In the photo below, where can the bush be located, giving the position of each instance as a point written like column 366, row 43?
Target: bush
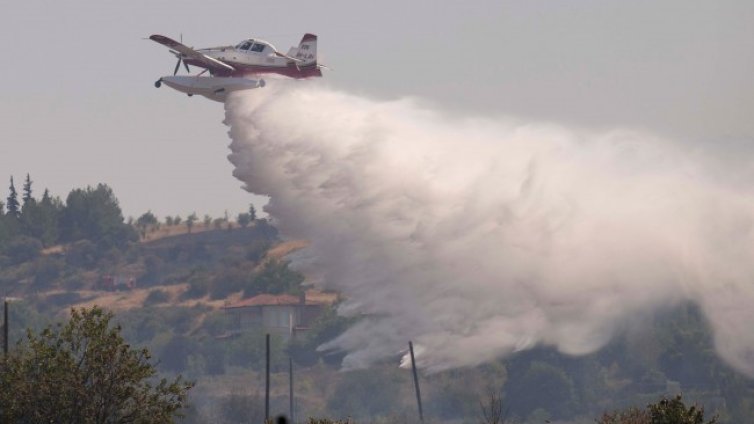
column 23, row 249
column 199, row 286
column 156, row 296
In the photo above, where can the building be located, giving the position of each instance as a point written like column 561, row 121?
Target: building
column 286, row 315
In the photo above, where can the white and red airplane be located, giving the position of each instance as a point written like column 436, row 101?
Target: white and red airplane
column 237, row 67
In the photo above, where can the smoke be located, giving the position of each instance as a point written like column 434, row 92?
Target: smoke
column 477, row 238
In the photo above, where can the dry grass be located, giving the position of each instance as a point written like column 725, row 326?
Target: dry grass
column 286, row 248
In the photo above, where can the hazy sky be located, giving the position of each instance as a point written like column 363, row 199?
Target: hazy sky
column 78, row 106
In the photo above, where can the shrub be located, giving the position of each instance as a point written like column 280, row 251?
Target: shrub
column 156, row 296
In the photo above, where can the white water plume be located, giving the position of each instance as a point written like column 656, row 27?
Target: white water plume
column 476, row 238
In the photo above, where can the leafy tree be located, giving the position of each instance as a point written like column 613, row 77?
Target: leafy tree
column 244, row 219
column 275, row 278
column 85, row 372
column 146, row 221
column 666, row 411
column 207, row 221
column 13, row 206
column 190, row 220
column 674, row 411
column 252, row 213
column 94, row 214
column 218, row 223
column 169, row 220
column 27, row 190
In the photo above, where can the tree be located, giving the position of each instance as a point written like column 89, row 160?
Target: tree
column 674, row 411
column 84, row 372
column 491, row 409
column 252, row 213
column 207, row 221
column 13, row 206
column 177, row 220
column 666, row 411
column 169, row 221
column 27, row 190
column 94, row 214
column 145, row 222
column 243, row 219
column 190, row 221
column 40, row 219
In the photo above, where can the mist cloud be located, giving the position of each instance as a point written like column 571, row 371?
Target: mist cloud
column 476, row 238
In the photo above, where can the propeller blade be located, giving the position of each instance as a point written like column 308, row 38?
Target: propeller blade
column 187, row 68
column 177, row 65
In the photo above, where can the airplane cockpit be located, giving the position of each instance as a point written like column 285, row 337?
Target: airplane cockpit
column 256, row 46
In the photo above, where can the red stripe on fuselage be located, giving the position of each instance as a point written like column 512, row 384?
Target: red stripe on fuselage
column 305, row 71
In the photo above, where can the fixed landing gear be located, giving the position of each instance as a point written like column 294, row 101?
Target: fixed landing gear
column 158, row 83
column 189, row 94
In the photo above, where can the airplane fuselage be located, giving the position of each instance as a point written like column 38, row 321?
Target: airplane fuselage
column 247, row 62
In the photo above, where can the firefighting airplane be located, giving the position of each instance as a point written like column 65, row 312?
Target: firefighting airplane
column 238, row 67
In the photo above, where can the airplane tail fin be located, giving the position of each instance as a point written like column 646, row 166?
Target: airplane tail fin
column 306, row 50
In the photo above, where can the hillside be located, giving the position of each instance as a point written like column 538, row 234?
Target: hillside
column 169, row 284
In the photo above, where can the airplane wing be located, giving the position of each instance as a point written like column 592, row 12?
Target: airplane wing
column 210, row 62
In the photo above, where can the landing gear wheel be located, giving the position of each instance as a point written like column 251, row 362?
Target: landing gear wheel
column 158, row 83
column 189, row 94
column 262, row 83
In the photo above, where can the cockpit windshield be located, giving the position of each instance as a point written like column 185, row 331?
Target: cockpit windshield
column 258, row 47
column 244, row 45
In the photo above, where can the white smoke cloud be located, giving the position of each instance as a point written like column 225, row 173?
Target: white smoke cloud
column 476, row 238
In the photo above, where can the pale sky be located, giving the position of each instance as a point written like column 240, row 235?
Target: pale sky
column 78, row 106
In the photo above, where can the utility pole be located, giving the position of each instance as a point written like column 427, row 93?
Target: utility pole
column 5, row 328
column 416, row 382
column 267, row 380
column 290, row 390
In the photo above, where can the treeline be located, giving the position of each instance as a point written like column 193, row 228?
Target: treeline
column 28, row 225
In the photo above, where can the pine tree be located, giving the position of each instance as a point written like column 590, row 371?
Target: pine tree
column 252, row 213
column 46, row 197
column 27, row 189
column 13, row 200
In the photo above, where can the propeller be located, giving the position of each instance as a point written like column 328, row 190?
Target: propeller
column 180, row 59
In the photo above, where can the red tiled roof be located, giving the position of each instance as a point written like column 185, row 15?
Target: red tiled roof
column 272, row 300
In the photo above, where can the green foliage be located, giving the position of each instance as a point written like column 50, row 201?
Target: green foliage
column 23, row 249
column 84, row 372
column 40, row 219
column 629, row 416
column 199, row 285
column 27, row 190
column 275, row 278
column 666, row 411
column 14, row 208
column 674, row 411
column 94, row 214
column 243, row 219
column 146, row 222
column 190, row 220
